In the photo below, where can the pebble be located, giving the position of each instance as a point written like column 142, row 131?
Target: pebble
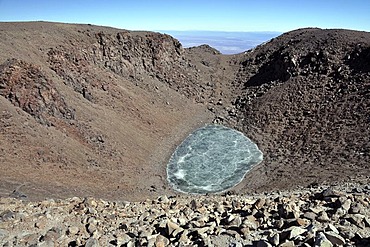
column 172, row 227
column 295, row 231
column 3, row 233
column 288, row 244
column 161, row 241
column 73, row 230
column 91, row 242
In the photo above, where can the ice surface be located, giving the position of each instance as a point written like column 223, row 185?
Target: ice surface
column 212, row 159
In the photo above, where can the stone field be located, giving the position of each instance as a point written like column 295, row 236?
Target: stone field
column 320, row 216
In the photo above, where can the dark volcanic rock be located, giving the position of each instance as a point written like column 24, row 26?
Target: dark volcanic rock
column 306, row 101
column 204, row 49
column 133, row 56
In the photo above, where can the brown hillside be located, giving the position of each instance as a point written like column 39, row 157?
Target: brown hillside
column 97, row 111
column 83, row 111
column 306, row 100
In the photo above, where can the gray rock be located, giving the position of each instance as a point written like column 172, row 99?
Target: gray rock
column 335, row 238
column 182, row 220
column 150, row 240
column 131, row 243
column 7, row 215
column 251, row 222
column 184, row 237
column 123, row 239
column 213, row 219
column 288, row 244
column 91, row 228
column 33, row 239
column 279, row 224
column 194, row 204
column 163, row 199
column 263, row 243
column 202, row 230
column 323, row 217
column 236, row 222
column 171, row 227
column 91, row 210
column 236, row 244
column 346, row 232
column 92, row 242
column 161, row 241
column 332, row 228
column 163, row 224
column 295, row 231
column 310, row 215
column 3, row 233
column 44, row 244
column 232, row 233
column 260, row 203
column 53, row 234
column 322, row 241
column 367, row 221
column 357, row 219
column 245, row 231
column 145, row 233
column 330, row 192
column 230, row 218
column 355, row 209
column 177, row 231
column 73, row 230
column 274, row 239
column 346, row 205
column 90, row 202
column 317, row 209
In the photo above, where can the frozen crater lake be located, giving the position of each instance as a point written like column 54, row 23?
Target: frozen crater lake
column 212, row 159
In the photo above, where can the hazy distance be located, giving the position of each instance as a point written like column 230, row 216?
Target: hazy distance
column 225, row 42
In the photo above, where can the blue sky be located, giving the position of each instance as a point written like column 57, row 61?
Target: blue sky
column 215, row 15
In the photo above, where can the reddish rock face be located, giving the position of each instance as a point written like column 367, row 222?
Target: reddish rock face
column 26, row 86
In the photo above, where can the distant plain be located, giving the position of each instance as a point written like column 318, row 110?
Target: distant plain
column 225, row 42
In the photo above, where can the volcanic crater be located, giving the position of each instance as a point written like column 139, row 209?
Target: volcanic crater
column 97, row 111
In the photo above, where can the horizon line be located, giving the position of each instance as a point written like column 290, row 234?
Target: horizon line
column 171, row 30
column 220, row 31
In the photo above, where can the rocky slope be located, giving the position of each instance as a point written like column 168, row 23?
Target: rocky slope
column 305, row 99
column 334, row 216
column 91, row 110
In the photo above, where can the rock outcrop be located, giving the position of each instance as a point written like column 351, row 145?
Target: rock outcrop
column 27, row 87
column 133, row 56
